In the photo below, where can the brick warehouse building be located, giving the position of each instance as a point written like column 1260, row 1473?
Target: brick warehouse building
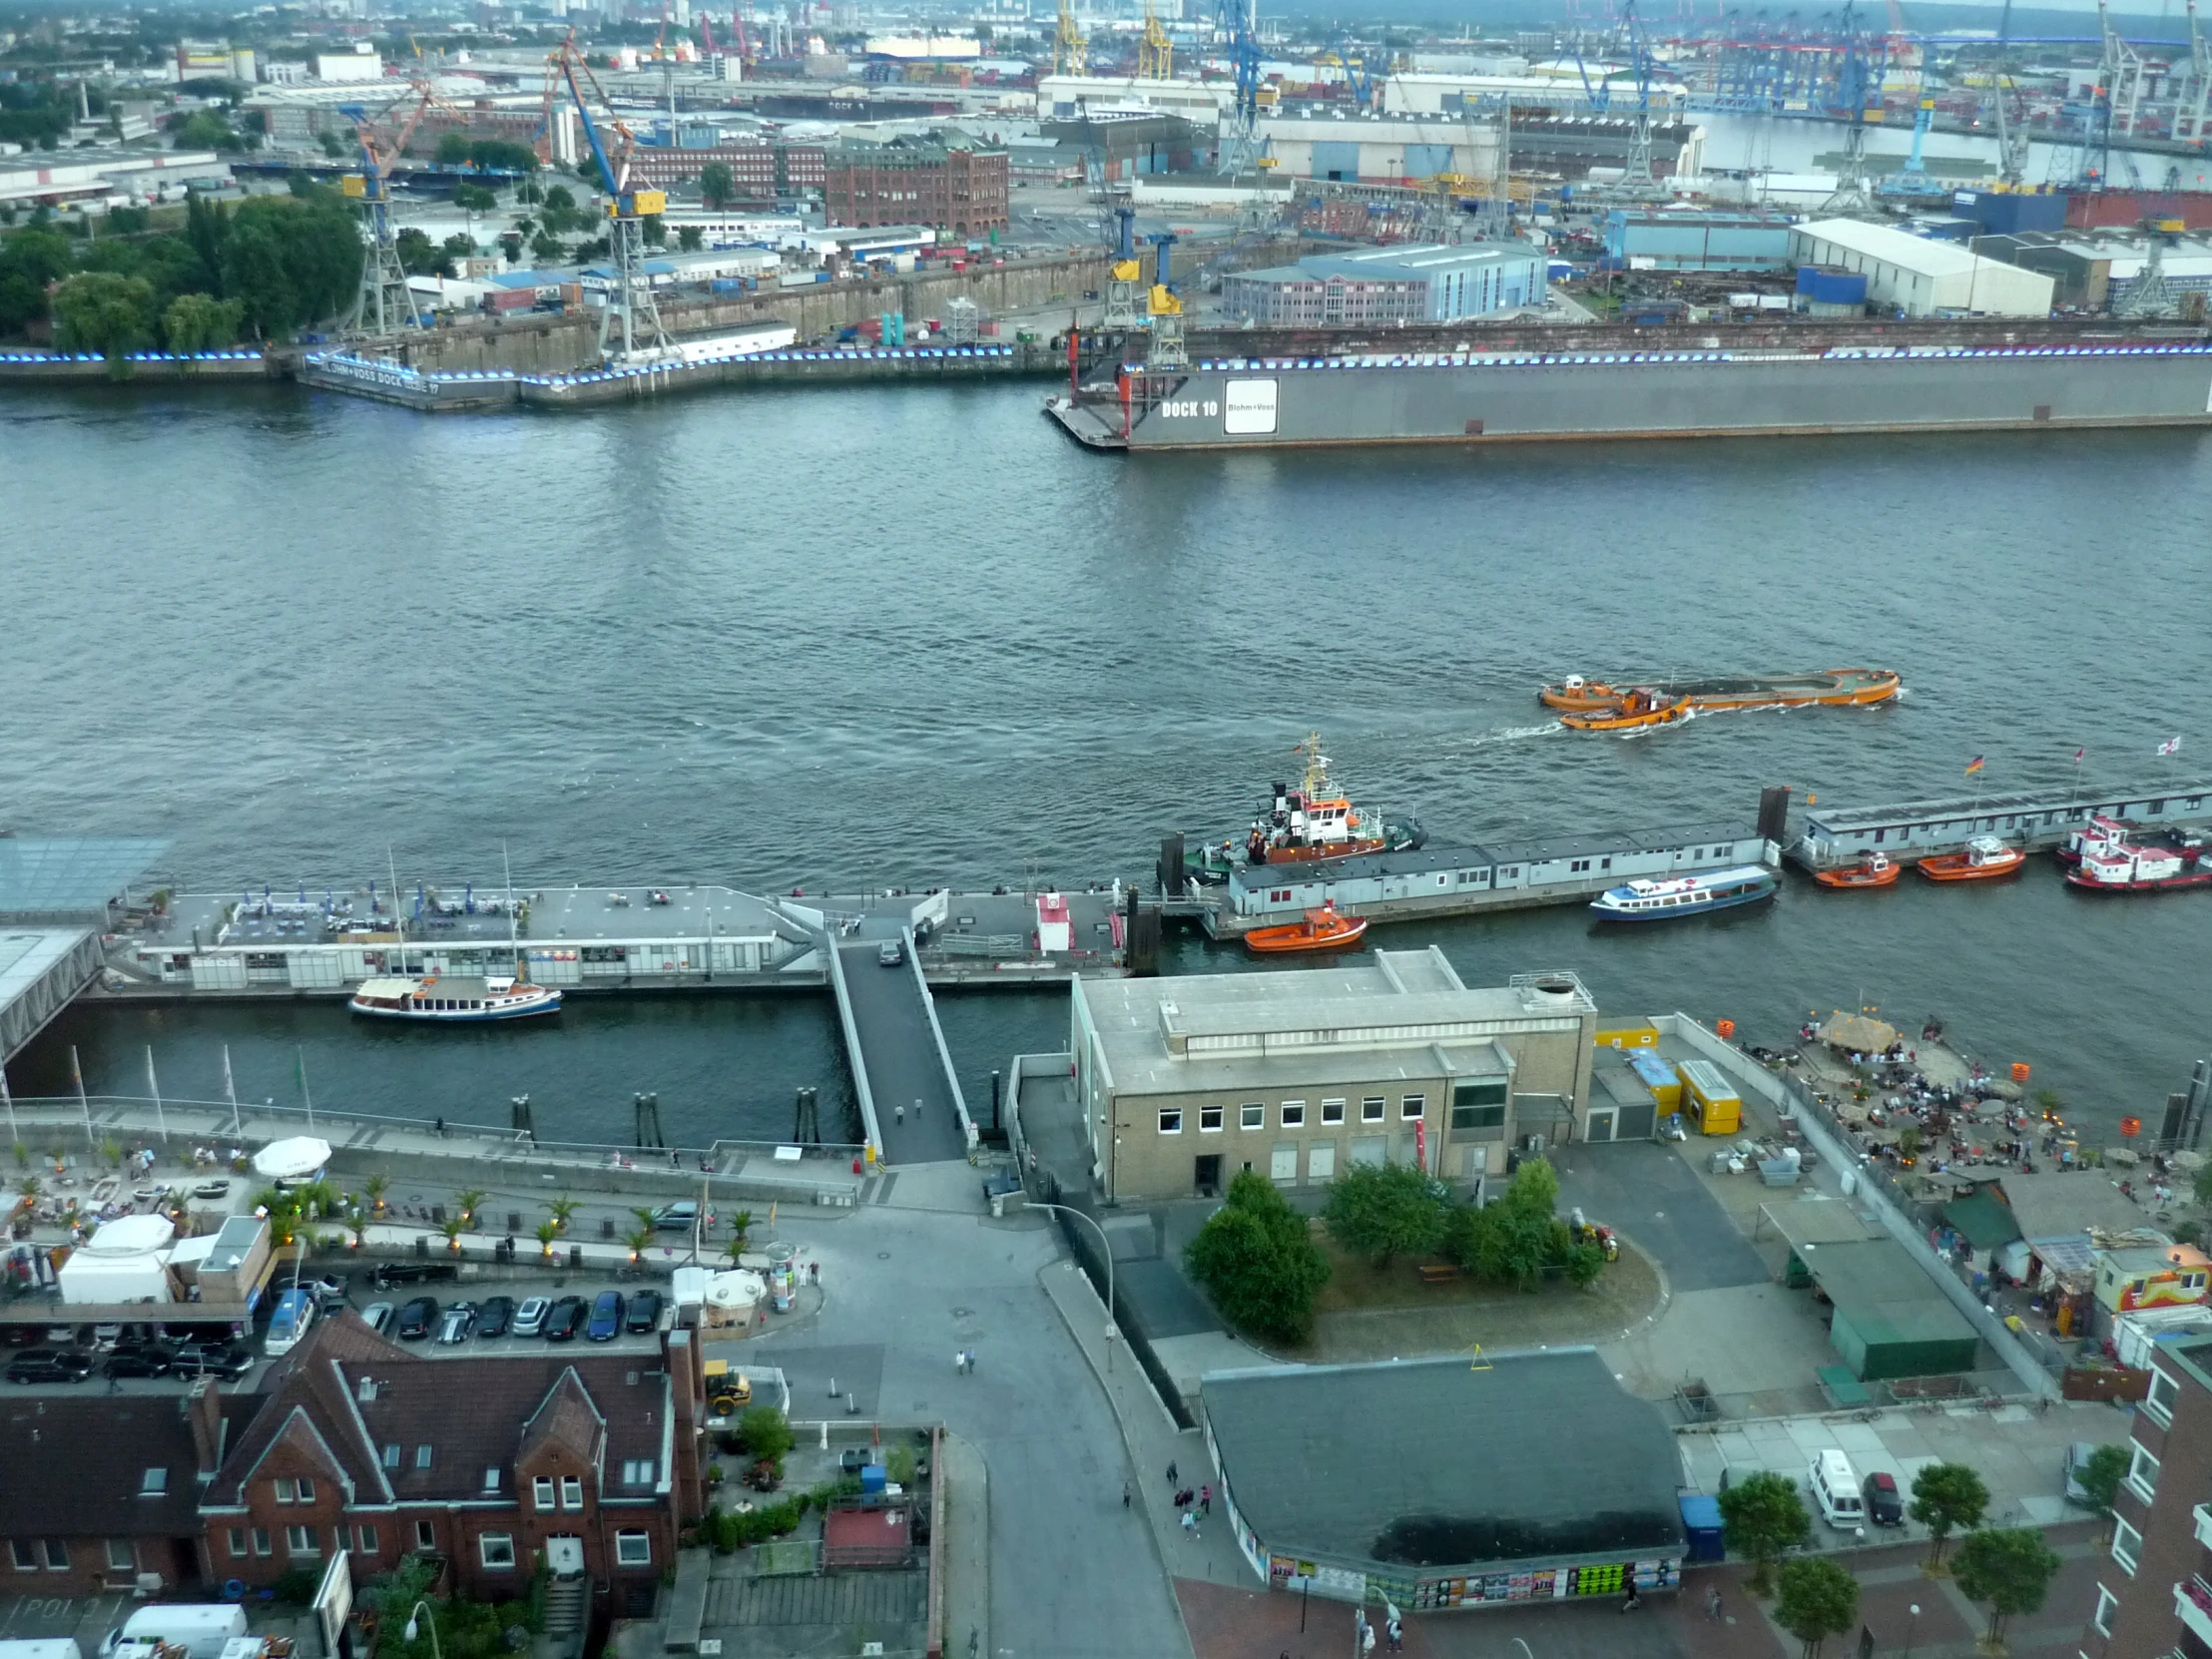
column 958, row 188
column 2155, row 1584
column 760, row 174
column 589, row 1461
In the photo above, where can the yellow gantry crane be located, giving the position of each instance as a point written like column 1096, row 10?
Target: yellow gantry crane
column 1070, row 51
column 1155, row 51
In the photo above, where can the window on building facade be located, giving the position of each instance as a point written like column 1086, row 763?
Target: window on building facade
column 299, row 1541
column 121, row 1557
column 1293, row 1114
column 2143, row 1474
column 422, row 1456
column 25, row 1558
column 392, row 1457
column 1251, row 1115
column 633, row 1549
column 284, row 1491
column 496, row 1549
column 2127, row 1545
column 1412, row 1106
column 2103, row 1618
column 1332, row 1111
column 1479, row 1105
column 1208, row 1120
column 425, row 1535
column 364, row 1539
column 491, row 1481
column 1171, row 1120
column 262, row 1545
column 57, row 1555
column 153, row 1483
column 541, row 1491
column 572, row 1493
column 1370, row 1109
column 2159, row 1407
column 236, row 1538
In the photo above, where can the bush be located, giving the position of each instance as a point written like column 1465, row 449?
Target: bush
column 1257, row 1260
column 764, row 1432
column 1380, row 1211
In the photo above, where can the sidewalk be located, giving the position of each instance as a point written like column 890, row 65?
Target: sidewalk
column 967, row 1546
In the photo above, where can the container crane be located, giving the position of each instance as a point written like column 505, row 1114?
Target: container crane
column 630, row 312
column 1855, row 75
column 1070, row 51
column 1155, row 51
column 383, row 300
column 1239, row 27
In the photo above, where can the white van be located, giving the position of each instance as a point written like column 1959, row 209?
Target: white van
column 1835, row 1490
column 199, row 1628
column 54, row 1647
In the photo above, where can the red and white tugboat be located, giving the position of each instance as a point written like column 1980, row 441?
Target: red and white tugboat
column 2112, row 856
column 1312, row 821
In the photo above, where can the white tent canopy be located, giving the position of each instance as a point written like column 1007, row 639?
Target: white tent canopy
column 300, row 1155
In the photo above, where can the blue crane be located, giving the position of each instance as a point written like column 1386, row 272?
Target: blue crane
column 1240, row 28
column 631, row 312
column 385, row 300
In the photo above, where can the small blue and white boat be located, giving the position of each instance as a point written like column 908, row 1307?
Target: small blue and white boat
column 454, row 1001
column 1684, row 896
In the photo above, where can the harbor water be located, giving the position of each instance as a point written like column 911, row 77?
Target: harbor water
column 912, row 636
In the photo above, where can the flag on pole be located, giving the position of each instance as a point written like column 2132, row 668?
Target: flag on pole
column 2172, row 745
column 1973, row 766
column 2078, row 754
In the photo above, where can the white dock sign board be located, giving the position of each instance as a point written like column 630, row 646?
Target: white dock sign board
column 1248, row 407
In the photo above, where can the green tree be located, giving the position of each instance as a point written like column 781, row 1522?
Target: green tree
column 690, row 237
column 740, row 1223
column 333, row 146
column 560, row 212
column 511, row 244
column 545, row 1235
column 764, row 1432
column 291, row 260
column 560, row 1209
column 1817, row 1599
column 1256, row 1260
column 473, row 199
column 1946, row 1496
column 205, row 225
column 199, row 322
column 544, row 248
column 1761, row 1518
column 417, row 253
column 453, row 1227
column 2011, row 1570
column 373, row 1189
column 654, row 230
column 1381, row 1211
column 30, row 261
column 468, row 1201
column 2101, row 1475
column 717, row 184
column 97, row 310
column 1585, row 1263
column 206, row 130
column 639, row 1239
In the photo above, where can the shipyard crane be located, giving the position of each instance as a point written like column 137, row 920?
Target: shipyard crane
column 630, row 312
column 2200, row 79
column 1913, row 178
column 1855, row 76
column 383, row 300
column 1070, row 51
column 1239, row 27
column 1155, row 51
column 1637, row 177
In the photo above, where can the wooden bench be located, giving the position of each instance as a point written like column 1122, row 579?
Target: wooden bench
column 1438, row 1272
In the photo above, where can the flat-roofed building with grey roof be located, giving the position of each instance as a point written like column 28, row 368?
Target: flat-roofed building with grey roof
column 1186, row 1082
column 1389, row 284
column 1436, row 1483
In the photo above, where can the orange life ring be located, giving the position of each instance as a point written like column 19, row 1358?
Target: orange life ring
column 2131, row 1127
column 1725, row 1027
column 2019, row 1071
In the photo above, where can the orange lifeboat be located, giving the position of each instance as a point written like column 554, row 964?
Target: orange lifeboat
column 1640, row 706
column 1876, row 869
column 1985, row 859
column 1322, row 929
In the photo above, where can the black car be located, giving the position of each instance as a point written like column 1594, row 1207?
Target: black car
column 390, row 1274
column 495, row 1316
column 567, row 1318
column 644, row 1312
column 213, row 1358
column 417, row 1320
column 18, row 1335
column 46, row 1365
column 137, row 1362
column 1884, row 1505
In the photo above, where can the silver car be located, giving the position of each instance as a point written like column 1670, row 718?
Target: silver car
column 529, row 1320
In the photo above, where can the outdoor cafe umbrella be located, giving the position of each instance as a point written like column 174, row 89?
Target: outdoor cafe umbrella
column 1857, row 1033
column 291, row 1158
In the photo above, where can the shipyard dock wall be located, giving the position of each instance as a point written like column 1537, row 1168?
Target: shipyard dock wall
column 1464, row 398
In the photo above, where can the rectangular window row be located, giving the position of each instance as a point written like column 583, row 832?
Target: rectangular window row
column 1291, row 1114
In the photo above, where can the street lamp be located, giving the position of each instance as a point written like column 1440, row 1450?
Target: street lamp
column 1106, row 1249
column 422, row 1608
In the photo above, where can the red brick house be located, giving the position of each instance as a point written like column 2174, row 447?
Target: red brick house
column 587, row 1460
column 957, row 188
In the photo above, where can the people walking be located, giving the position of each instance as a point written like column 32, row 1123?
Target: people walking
column 1189, row 1523
column 1206, row 1500
column 1125, row 1494
column 1172, row 1475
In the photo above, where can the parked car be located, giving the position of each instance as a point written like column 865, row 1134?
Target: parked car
column 681, row 1216
column 390, row 1274
column 47, row 1365
column 213, row 1360
column 377, row 1316
column 496, row 1316
column 645, row 1311
column 137, row 1362
column 327, row 1290
column 565, row 1318
column 416, row 1319
column 457, row 1321
column 892, row 954
column 529, row 1319
column 606, row 1317
column 1885, row 1504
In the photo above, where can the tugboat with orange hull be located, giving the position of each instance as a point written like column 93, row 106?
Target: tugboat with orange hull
column 1876, row 869
column 1322, row 930
column 1830, row 687
column 1313, row 821
column 1643, row 706
column 1986, row 858
column 2111, row 855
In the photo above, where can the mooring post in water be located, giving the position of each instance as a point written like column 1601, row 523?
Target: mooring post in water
column 994, row 1101
column 518, row 1117
column 648, row 1132
column 807, row 1123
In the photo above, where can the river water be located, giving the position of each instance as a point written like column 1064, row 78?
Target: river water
column 912, row 636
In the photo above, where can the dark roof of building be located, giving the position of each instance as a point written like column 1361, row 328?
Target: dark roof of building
column 1884, row 1294
column 1536, row 1458
column 80, row 1466
column 1984, row 1220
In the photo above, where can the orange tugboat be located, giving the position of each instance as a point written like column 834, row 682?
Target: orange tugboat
column 1985, row 859
column 1875, row 870
column 1833, row 686
column 1322, row 929
column 1643, row 706
column 1313, row 820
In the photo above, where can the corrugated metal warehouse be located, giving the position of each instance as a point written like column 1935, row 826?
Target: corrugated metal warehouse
column 1636, row 239
column 1379, row 150
column 1921, row 277
column 1389, row 284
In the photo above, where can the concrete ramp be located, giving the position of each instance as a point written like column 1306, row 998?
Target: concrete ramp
column 909, row 1098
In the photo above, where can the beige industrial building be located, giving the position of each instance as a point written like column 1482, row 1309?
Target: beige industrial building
column 1184, row 1082
column 1919, row 276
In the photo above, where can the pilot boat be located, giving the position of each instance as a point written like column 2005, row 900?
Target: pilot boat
column 1641, row 706
column 1986, row 858
column 1322, row 930
column 1876, row 869
column 1313, row 821
column 1684, row 896
column 443, row 998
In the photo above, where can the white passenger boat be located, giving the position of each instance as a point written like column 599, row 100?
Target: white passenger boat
column 1684, row 896
column 440, row 997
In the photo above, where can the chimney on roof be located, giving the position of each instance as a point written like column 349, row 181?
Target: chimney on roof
column 686, row 1386
column 203, row 1409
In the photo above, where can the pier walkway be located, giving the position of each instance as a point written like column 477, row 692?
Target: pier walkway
column 909, row 1097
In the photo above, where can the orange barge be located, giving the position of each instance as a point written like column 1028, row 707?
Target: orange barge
column 1830, row 686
